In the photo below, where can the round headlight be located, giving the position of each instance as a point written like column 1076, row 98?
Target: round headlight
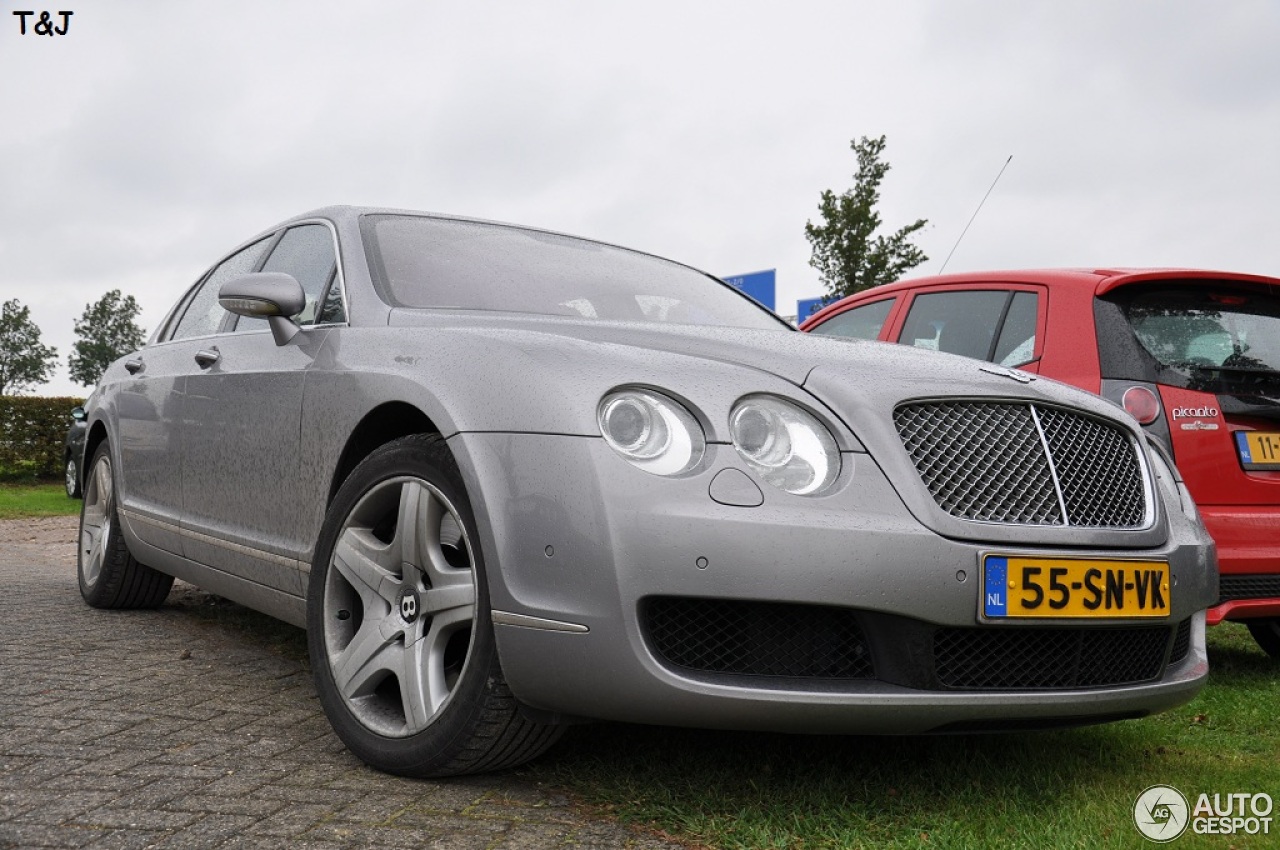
column 655, row 433
column 786, row 445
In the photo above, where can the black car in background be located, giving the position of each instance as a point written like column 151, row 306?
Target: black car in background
column 73, row 452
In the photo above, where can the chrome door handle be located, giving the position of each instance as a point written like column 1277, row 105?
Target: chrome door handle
column 206, row 357
column 133, row 367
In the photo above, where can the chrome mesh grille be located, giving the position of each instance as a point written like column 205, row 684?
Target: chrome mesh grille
column 981, row 461
column 1097, row 468
column 988, row 461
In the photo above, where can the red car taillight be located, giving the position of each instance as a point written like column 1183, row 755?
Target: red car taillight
column 1142, row 404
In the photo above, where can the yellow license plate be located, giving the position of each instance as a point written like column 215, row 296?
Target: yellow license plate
column 1088, row 588
column 1259, row 449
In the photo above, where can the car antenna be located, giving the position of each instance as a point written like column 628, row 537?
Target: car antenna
column 975, row 212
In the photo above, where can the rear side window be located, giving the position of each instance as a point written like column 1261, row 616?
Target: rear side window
column 989, row 324
column 863, row 322
column 1200, row 330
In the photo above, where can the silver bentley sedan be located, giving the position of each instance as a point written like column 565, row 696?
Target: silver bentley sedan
column 510, row 480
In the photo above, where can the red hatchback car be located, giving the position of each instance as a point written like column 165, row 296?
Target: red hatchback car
column 1192, row 355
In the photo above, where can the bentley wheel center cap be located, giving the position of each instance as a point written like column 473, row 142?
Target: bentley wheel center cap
column 409, row 605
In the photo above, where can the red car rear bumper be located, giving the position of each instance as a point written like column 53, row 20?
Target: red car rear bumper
column 1248, row 538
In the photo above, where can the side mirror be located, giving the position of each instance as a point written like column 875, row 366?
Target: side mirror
column 77, row 413
column 274, row 296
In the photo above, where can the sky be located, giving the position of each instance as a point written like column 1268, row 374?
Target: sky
column 151, row 138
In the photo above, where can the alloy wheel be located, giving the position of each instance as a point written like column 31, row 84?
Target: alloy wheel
column 399, row 606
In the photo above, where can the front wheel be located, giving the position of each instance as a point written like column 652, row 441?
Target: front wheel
column 398, row 623
column 1267, row 633
column 109, row 575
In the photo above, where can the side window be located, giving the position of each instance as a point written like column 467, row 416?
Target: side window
column 306, row 252
column 203, row 315
column 1017, row 343
column 988, row 324
column 862, row 322
column 955, row 322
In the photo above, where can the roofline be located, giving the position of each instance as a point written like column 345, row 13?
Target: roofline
column 1101, row 280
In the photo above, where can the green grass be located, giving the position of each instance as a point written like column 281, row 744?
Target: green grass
column 34, row 500
column 1070, row 788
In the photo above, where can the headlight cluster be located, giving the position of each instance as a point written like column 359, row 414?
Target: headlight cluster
column 787, row 446
column 652, row 431
column 783, row 443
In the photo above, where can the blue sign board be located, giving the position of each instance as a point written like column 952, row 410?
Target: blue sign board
column 806, row 307
column 761, row 286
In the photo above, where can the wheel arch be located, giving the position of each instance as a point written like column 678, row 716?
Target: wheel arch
column 97, row 436
column 386, row 422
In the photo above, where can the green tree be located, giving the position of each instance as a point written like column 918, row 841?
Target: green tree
column 108, row 330
column 847, row 253
column 24, row 362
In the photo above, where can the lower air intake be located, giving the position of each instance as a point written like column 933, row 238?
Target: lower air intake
column 1018, row 659
column 757, row 638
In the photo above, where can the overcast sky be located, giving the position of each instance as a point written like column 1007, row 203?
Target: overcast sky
column 152, row 137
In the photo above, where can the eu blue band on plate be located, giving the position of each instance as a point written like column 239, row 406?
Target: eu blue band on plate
column 995, row 589
column 1242, row 442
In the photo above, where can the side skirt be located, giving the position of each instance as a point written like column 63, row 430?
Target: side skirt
column 275, row 603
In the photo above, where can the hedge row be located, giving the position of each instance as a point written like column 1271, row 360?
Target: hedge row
column 32, row 433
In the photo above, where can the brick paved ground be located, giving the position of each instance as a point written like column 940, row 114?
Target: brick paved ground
column 197, row 726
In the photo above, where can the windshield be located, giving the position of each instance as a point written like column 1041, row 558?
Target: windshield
column 419, row 261
column 1209, row 331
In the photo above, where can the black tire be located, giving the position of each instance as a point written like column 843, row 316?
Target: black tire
column 110, row 577
column 422, row 693
column 1267, row 633
column 72, row 473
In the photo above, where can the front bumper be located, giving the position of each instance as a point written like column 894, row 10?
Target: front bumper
column 580, row 540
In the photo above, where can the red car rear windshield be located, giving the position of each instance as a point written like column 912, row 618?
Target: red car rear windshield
column 1210, row 333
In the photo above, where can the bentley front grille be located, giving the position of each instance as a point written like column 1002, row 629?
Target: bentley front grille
column 1019, row 463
